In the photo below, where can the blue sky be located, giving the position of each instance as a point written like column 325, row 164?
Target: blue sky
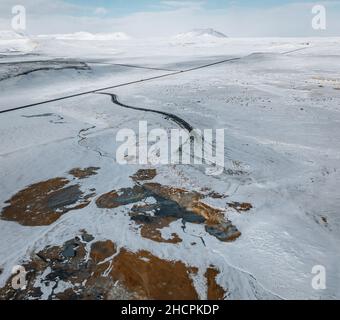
column 145, row 18
column 126, row 7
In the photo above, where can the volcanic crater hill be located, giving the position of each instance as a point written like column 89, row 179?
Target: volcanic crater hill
column 207, row 34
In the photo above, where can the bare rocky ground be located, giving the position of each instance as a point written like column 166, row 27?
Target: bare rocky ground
column 83, row 268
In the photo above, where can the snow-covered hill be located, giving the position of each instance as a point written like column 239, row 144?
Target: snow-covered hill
column 203, row 34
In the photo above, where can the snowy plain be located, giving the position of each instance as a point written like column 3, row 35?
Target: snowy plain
column 279, row 105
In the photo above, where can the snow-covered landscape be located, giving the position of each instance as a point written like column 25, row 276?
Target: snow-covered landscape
column 85, row 226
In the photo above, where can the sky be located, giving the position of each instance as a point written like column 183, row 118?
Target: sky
column 148, row 18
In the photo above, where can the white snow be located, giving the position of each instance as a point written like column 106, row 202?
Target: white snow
column 10, row 35
column 199, row 36
column 14, row 42
column 279, row 108
column 201, row 33
column 87, row 36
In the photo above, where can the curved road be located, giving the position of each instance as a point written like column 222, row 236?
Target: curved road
column 118, row 85
column 134, row 82
column 182, row 123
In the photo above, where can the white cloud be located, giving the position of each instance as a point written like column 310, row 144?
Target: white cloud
column 40, row 7
column 100, row 11
column 57, row 16
column 183, row 4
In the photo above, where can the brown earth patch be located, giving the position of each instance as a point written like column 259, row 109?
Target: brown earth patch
column 212, row 215
column 240, row 207
column 152, row 231
column 224, row 231
column 54, row 266
column 84, row 173
column 169, row 203
column 122, row 197
column 215, row 291
column 212, row 194
column 102, row 250
column 154, row 217
column 216, row 195
column 144, row 174
column 183, row 197
column 189, row 200
column 100, row 275
column 154, row 278
column 43, row 203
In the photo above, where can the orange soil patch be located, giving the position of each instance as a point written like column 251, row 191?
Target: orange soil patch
column 102, row 250
column 215, row 291
column 154, row 278
column 212, row 215
column 44, row 202
column 152, row 231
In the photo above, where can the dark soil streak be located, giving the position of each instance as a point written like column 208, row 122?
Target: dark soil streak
column 83, row 67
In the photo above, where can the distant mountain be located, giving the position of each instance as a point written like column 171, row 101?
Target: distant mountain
column 201, row 34
column 89, row 36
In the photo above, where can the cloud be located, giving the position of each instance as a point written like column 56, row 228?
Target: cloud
column 100, row 11
column 183, row 4
column 41, row 7
column 58, row 16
